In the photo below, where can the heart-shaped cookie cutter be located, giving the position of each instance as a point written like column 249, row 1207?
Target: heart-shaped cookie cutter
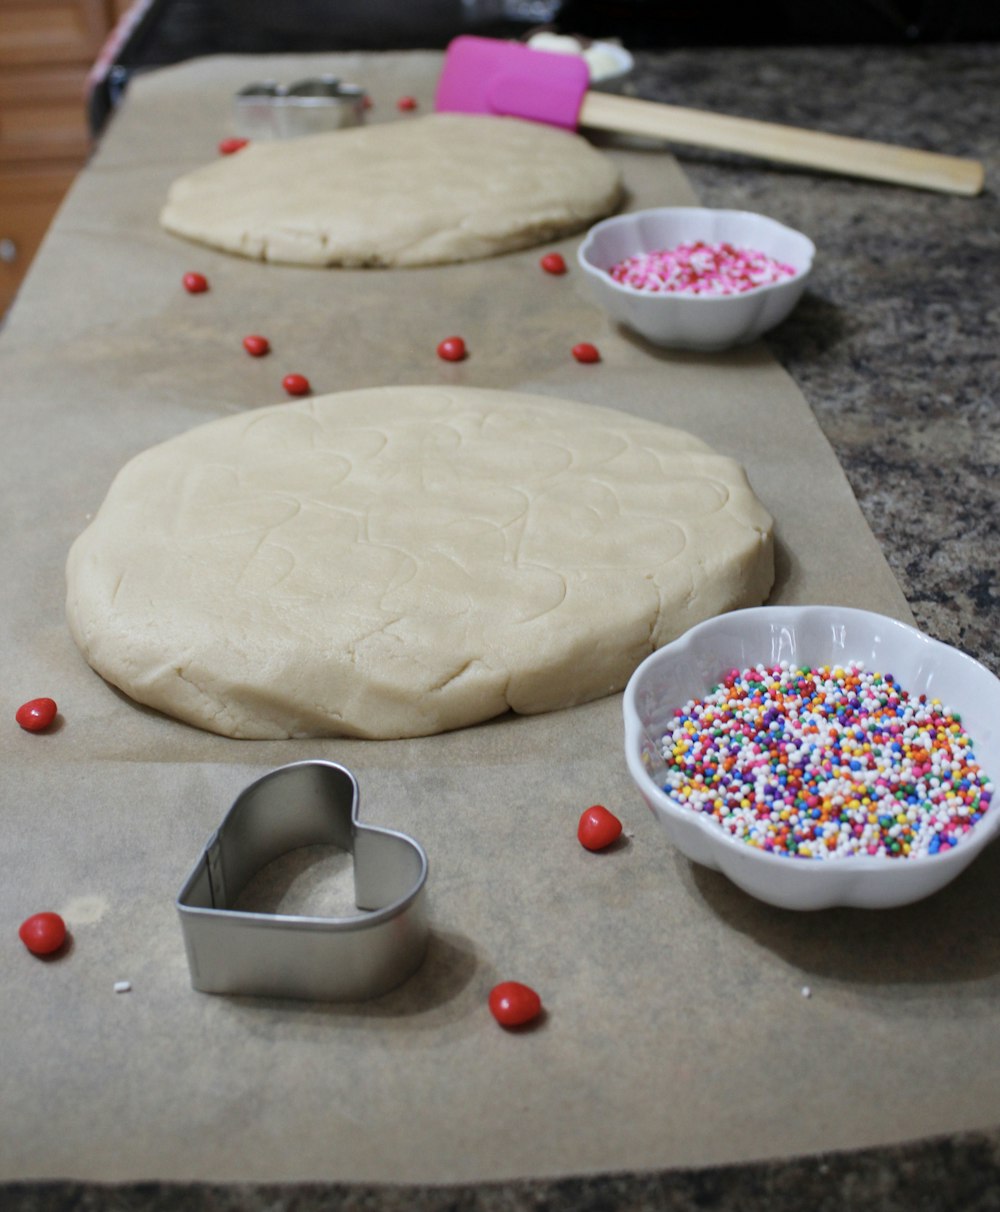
column 320, row 958
column 269, row 110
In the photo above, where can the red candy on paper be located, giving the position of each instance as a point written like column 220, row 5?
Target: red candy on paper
column 43, row 933
column 406, row 103
column 598, row 828
column 452, row 349
column 513, row 1004
column 553, row 263
column 195, row 284
column 36, row 714
column 233, row 144
column 585, row 352
column 256, row 346
column 296, row 385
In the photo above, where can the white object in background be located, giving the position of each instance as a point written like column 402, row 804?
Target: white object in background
column 608, row 62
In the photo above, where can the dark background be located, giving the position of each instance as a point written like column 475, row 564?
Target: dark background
column 173, row 30
column 176, row 29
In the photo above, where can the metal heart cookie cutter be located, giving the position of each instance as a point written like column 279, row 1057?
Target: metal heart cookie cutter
column 320, row 958
column 268, row 110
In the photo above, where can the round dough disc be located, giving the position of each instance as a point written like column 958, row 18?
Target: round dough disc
column 442, row 188
column 401, row 561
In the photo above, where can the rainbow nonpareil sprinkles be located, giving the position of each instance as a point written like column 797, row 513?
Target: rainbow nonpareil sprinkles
column 700, row 269
column 826, row 763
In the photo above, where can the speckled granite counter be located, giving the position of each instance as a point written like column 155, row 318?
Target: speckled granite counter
column 896, row 343
column 896, row 348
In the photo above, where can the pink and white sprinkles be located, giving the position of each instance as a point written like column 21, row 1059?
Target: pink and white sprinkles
column 700, row 269
column 826, row 763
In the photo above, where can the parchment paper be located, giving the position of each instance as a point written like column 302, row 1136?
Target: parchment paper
column 677, row 1030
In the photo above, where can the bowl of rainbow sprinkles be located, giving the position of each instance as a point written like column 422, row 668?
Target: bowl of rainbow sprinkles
column 687, row 277
column 818, row 755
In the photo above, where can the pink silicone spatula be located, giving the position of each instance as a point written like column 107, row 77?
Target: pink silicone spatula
column 489, row 76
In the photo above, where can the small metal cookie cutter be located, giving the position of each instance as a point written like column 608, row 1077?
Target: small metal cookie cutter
column 269, row 110
column 319, row 958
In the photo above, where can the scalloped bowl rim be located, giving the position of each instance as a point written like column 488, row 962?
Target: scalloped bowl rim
column 847, row 881
column 637, row 216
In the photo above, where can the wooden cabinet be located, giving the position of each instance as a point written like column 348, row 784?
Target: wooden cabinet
column 46, row 50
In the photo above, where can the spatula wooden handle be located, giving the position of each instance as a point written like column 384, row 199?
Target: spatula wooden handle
column 784, row 144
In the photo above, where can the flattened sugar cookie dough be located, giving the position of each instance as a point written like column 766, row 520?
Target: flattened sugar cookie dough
column 430, row 190
column 401, row 561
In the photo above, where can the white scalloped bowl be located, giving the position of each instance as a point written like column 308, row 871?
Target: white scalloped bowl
column 691, row 666
column 696, row 322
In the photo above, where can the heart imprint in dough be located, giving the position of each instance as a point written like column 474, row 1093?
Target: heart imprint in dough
column 401, row 561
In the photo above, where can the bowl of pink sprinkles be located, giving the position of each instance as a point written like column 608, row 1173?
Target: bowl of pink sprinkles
column 818, row 755
column 688, row 277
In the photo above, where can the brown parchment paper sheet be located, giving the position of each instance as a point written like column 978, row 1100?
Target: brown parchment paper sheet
column 676, row 1031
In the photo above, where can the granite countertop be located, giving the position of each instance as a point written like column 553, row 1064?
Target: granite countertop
column 895, row 347
column 895, row 343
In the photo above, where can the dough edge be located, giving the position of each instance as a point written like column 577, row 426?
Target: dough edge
column 328, row 697
column 216, row 204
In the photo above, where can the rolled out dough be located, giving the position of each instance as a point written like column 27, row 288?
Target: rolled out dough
column 419, row 191
column 401, row 561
